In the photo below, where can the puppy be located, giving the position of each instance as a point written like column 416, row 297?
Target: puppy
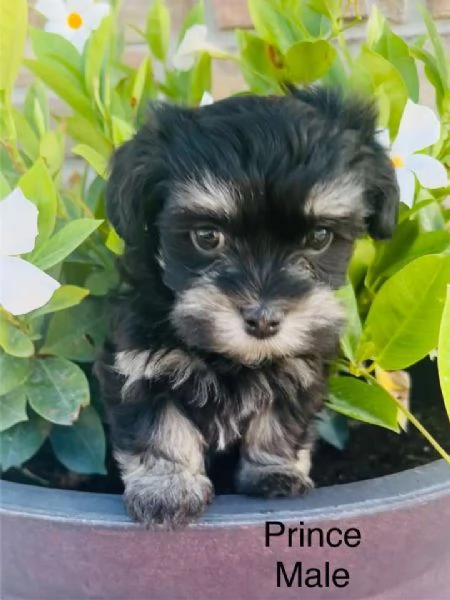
column 238, row 220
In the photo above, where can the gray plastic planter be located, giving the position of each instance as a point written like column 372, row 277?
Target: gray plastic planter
column 74, row 545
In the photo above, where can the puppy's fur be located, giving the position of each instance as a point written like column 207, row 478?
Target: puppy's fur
column 181, row 377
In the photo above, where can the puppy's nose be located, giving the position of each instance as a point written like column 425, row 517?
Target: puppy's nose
column 262, row 321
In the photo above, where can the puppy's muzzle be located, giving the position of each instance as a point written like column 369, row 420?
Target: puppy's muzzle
column 262, row 320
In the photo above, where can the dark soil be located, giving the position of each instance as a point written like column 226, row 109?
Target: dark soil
column 370, row 452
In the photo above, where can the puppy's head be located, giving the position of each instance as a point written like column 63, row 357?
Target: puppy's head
column 250, row 207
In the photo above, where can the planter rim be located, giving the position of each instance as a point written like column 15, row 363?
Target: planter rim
column 391, row 492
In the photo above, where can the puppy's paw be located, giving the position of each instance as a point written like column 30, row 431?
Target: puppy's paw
column 273, row 481
column 168, row 502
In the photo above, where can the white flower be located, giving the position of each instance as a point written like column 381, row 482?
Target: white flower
column 73, row 19
column 23, row 287
column 206, row 99
column 419, row 129
column 194, row 42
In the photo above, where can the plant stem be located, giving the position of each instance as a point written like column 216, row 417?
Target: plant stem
column 426, row 434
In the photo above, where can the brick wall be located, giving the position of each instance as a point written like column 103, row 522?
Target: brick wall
column 224, row 15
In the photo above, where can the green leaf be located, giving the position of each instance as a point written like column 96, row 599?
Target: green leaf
column 14, row 371
column 307, row 61
column 272, row 24
column 21, row 442
column 200, row 78
column 158, row 29
column 196, row 16
column 51, row 149
column 98, row 162
column 333, row 428
column 26, row 136
column 36, row 107
column 141, row 81
column 63, row 87
column 96, row 53
column 359, row 400
column 58, row 53
column 87, row 133
column 114, row 242
column 38, row 187
column 431, row 71
column 444, row 352
column 375, row 26
column 63, row 243
column 374, row 75
column 438, row 47
column 428, row 242
column 397, row 52
column 64, row 297
column 403, row 322
column 101, row 282
column 13, row 408
column 122, row 131
column 391, row 251
column 77, row 333
column 57, row 389
column 258, row 70
column 5, row 188
column 13, row 31
column 81, row 447
column 352, row 333
column 13, row 340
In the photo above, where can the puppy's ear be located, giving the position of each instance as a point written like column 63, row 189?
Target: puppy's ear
column 359, row 117
column 124, row 192
column 382, row 193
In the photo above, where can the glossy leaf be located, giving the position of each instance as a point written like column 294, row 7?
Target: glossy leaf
column 444, row 352
column 396, row 51
column 333, row 428
column 359, row 400
column 96, row 52
column 82, row 446
column 13, row 408
column 58, row 53
column 13, row 372
column 64, row 242
column 21, row 442
column 87, row 133
column 13, row 340
column 158, row 29
column 352, row 332
column 374, row 75
column 98, row 162
column 196, row 16
column 274, row 26
column 403, row 322
column 13, row 30
column 38, row 187
column 62, row 86
column 64, row 297
column 307, row 61
column 57, row 389
column 78, row 332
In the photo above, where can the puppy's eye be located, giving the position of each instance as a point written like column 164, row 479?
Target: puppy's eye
column 318, row 239
column 207, row 240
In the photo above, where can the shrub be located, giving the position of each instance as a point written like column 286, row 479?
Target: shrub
column 397, row 294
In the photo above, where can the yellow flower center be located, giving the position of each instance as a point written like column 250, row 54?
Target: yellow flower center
column 397, row 161
column 74, row 20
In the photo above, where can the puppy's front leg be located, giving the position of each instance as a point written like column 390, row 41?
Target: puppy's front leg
column 275, row 456
column 165, row 484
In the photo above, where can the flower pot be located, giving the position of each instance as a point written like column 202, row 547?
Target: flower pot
column 59, row 544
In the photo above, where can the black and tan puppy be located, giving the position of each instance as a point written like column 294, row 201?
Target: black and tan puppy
column 238, row 220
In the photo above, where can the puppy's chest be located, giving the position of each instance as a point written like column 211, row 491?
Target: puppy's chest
column 220, row 401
